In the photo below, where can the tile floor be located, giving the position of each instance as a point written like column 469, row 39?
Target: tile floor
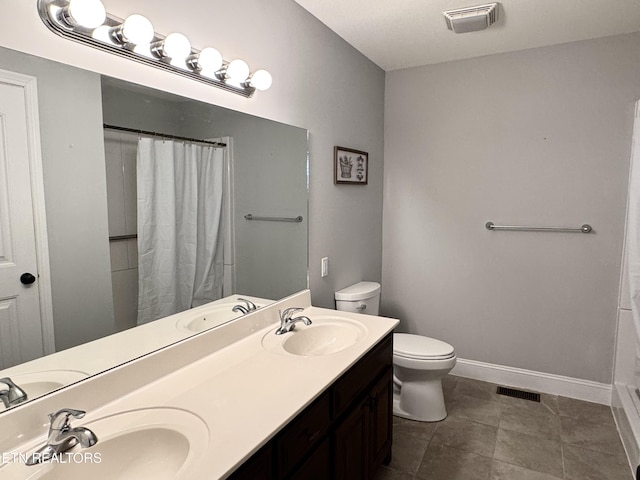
column 492, row 437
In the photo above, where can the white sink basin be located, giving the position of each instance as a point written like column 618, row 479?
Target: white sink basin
column 326, row 335
column 215, row 316
column 157, row 443
column 39, row 383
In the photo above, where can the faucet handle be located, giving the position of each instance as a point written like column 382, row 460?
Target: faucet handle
column 60, row 420
column 288, row 313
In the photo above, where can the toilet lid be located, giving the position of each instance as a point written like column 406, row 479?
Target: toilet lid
column 417, row 346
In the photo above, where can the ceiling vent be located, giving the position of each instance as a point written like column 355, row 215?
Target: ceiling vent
column 471, row 19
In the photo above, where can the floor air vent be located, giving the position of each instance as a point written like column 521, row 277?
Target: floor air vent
column 514, row 392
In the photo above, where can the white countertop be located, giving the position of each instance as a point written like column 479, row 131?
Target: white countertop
column 98, row 355
column 243, row 393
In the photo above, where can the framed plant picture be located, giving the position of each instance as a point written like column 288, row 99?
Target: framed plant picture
column 350, row 166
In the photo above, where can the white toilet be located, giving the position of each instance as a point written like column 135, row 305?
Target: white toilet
column 419, row 362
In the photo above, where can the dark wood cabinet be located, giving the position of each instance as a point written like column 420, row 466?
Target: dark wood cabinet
column 302, row 435
column 381, row 412
column 345, row 434
column 351, row 442
column 317, row 466
column 363, row 437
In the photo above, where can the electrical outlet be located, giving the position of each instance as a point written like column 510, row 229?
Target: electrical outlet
column 324, row 267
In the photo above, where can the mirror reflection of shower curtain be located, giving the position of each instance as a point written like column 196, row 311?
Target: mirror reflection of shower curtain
column 180, row 239
column 633, row 237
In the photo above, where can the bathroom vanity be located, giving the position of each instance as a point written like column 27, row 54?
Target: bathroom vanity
column 344, row 434
column 235, row 402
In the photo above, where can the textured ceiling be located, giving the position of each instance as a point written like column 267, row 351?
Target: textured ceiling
column 397, row 34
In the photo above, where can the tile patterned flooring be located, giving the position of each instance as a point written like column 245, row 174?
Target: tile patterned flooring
column 492, row 437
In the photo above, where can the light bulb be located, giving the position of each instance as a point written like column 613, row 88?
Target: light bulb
column 136, row 30
column 207, row 62
column 237, row 70
column 176, row 46
column 84, row 13
column 261, row 80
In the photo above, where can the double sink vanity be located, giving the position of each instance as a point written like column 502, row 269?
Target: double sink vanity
column 235, row 401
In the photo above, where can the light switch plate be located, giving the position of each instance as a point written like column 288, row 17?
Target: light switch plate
column 324, row 267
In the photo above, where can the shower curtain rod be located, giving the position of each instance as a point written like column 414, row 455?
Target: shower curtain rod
column 162, row 135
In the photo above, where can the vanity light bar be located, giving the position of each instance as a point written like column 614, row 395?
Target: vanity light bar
column 87, row 22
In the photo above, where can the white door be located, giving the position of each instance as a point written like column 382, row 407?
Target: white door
column 22, row 336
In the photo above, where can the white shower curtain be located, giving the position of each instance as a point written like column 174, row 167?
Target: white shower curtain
column 633, row 236
column 180, row 254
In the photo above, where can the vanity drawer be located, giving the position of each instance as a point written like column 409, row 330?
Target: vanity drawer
column 302, row 435
column 357, row 380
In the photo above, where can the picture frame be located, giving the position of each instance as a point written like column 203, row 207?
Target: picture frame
column 350, row 167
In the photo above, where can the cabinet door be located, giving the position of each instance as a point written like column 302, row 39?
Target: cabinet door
column 381, row 419
column 351, row 443
column 302, row 435
column 317, row 466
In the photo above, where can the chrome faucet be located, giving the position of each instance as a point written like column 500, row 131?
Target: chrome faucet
column 248, row 306
column 62, row 437
column 241, row 309
column 287, row 323
column 13, row 395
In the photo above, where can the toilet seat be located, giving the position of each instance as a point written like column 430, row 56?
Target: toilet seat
column 418, row 347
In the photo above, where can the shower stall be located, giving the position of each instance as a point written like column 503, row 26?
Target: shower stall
column 122, row 150
column 626, row 391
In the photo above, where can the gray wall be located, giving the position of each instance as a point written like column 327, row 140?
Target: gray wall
column 269, row 180
column 75, row 195
column 538, row 137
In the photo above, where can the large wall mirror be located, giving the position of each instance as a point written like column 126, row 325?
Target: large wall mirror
column 103, row 142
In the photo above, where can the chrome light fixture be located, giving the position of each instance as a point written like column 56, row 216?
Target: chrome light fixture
column 236, row 71
column 88, row 22
column 175, row 47
column 87, row 14
column 135, row 30
column 208, row 62
column 260, row 80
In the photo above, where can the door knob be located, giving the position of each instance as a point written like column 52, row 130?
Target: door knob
column 27, row 278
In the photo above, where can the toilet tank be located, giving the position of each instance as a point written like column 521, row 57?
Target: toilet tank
column 363, row 297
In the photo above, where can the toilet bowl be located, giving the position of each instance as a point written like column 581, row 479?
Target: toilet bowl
column 419, row 362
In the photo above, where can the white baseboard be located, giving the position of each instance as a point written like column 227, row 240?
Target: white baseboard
column 536, row 381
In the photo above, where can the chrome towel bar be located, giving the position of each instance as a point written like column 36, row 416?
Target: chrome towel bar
column 586, row 228
column 297, row 219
